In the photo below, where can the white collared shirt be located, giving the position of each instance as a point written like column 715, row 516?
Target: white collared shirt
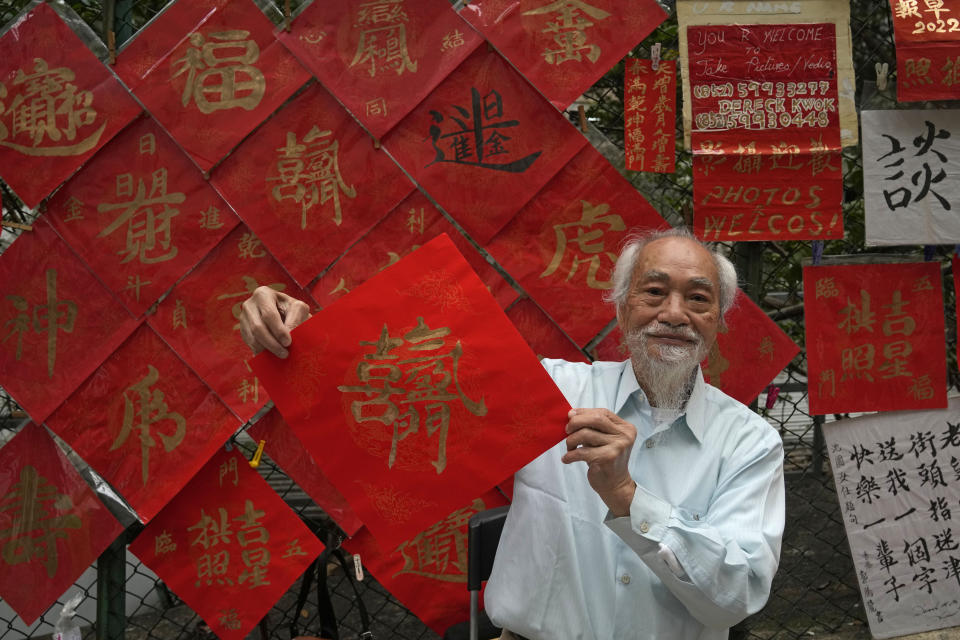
column 696, row 554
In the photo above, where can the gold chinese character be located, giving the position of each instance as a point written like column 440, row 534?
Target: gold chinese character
column 857, row 318
column 179, row 315
column 230, row 619
column 210, row 219
column 74, row 209
column 820, row 157
column 134, row 283
column 827, row 377
column 935, row 7
column 256, row 559
column 229, row 471
column 916, row 71
column 827, row 288
column 766, row 347
column 250, row 284
column 250, row 247
column 922, row 284
column 783, row 156
column 906, row 9
column 163, row 543
column 55, row 316
column 921, row 389
column 152, row 410
column 710, row 155
column 147, row 216
column 415, row 220
column 213, row 567
column 220, row 72
column 148, row 145
column 452, row 40
column 376, row 108
column 210, row 532
column 857, row 362
column 895, row 364
column 589, row 241
column 294, row 549
column 383, row 38
column 951, row 72
column 440, row 552
column 897, row 320
column 570, row 30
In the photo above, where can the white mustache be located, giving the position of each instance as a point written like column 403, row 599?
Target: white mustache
column 663, row 330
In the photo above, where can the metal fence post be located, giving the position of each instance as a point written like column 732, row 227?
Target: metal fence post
column 819, row 446
column 111, row 591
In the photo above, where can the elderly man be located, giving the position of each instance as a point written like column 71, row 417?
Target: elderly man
column 661, row 513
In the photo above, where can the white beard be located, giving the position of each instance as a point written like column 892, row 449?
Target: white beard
column 667, row 377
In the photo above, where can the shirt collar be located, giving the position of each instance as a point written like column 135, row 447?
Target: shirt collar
column 694, row 413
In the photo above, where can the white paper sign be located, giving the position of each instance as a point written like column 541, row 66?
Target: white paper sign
column 898, row 481
column 911, row 166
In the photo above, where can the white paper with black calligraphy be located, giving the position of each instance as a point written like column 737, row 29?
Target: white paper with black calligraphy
column 897, row 476
column 911, row 166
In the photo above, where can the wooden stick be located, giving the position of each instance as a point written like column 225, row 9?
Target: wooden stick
column 17, row 225
column 583, row 118
column 286, row 15
column 112, row 45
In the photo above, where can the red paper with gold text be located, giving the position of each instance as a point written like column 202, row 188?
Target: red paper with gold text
column 562, row 246
column 428, row 572
column 766, row 132
column 563, row 47
column 310, row 183
column 200, row 318
column 144, row 422
column 140, row 214
column 283, row 447
column 874, row 335
column 650, row 115
column 413, row 223
column 543, row 336
column 927, row 35
column 482, row 143
column 419, row 380
column 210, row 72
column 227, row 545
column 52, row 525
column 59, row 104
column 380, row 59
column 59, row 323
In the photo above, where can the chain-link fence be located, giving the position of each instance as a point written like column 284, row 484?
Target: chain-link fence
column 815, row 591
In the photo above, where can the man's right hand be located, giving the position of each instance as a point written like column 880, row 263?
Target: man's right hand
column 267, row 318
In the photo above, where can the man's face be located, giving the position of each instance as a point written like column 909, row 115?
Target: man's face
column 673, row 301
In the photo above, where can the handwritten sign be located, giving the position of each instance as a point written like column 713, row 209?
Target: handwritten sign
column 649, row 115
column 927, row 34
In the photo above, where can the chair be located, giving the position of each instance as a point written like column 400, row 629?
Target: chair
column 483, row 535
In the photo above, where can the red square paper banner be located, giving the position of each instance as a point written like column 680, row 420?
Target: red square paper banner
column 766, row 134
column 227, row 545
column 482, row 133
column 874, row 337
column 59, row 322
column 418, row 379
column 310, row 183
column 380, row 59
column 200, row 317
column 59, row 104
column 544, row 337
column 210, row 72
column 140, row 215
column 563, row 47
column 928, row 49
column 413, row 223
column 283, row 447
column 650, row 115
column 52, row 525
column 562, row 246
column 144, row 422
column 428, row 572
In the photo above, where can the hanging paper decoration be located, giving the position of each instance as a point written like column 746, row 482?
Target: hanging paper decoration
column 650, row 115
column 895, row 475
column 144, row 422
column 52, row 526
column 563, row 47
column 482, row 133
column 874, row 336
column 766, row 137
column 928, row 49
column 380, row 59
column 911, row 165
column 543, row 336
column 200, row 317
column 310, row 183
column 59, row 322
column 413, row 223
column 428, row 572
column 562, row 246
column 58, row 104
column 227, row 545
column 140, row 215
column 209, row 72
column 418, row 379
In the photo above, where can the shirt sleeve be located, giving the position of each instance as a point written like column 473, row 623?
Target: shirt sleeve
column 727, row 556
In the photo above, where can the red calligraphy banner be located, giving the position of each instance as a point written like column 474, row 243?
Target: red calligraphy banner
column 482, row 133
column 928, row 49
column 650, row 115
column 428, row 572
column 564, row 46
column 874, row 337
column 563, row 244
column 200, row 317
column 59, row 322
column 59, row 104
column 766, row 132
column 540, row 332
column 310, row 183
column 413, row 223
column 210, row 72
column 227, row 545
column 283, row 447
column 52, row 526
column 380, row 59
column 418, row 379
column 144, row 422
column 140, row 215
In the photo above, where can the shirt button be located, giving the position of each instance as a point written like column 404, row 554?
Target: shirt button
column 650, row 444
column 644, row 527
column 625, row 579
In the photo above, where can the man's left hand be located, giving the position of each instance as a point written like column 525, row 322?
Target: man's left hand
column 603, row 440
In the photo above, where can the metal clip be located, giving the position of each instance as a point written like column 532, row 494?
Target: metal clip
column 655, row 56
column 882, row 69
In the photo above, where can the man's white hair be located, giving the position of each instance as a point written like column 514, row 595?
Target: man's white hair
column 633, row 246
